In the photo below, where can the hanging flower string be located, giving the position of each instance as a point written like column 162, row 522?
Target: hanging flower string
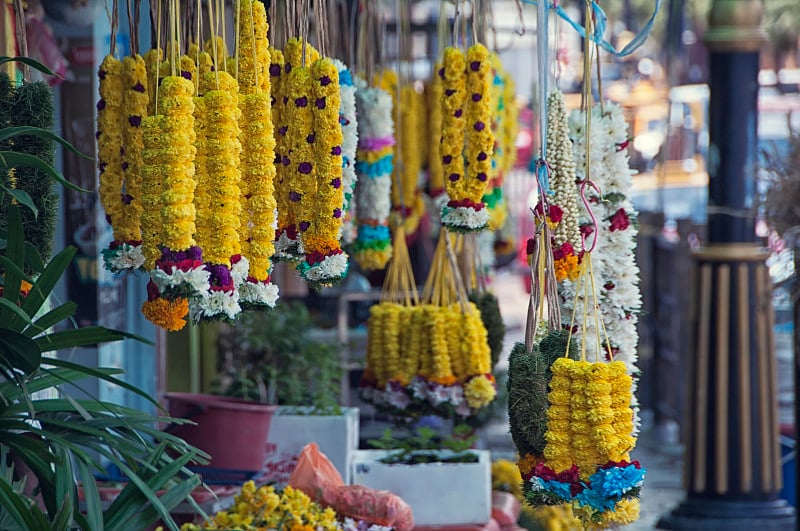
column 373, row 246
column 436, row 184
column 325, row 261
column 349, row 124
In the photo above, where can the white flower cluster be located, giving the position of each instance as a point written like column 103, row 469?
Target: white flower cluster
column 375, row 111
column 259, row 293
column 614, row 260
column 465, row 218
column 562, row 171
column 124, row 257
column 349, row 123
column 215, row 304
column 331, row 268
column 194, row 281
column 286, row 249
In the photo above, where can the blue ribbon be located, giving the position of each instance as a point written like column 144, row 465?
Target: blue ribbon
column 379, row 168
column 601, row 23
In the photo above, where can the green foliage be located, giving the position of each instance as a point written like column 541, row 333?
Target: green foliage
column 32, row 106
column 529, row 375
column 270, row 357
column 425, row 445
column 492, row 320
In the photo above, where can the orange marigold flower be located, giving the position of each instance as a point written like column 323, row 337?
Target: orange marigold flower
column 526, row 463
column 169, row 315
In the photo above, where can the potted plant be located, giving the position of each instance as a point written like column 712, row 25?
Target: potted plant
column 52, row 442
column 273, row 358
column 424, row 462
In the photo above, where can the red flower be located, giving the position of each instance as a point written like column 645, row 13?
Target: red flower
column 555, row 213
column 571, row 475
column 545, row 472
column 152, row 291
column 565, row 250
column 620, row 221
column 530, row 246
column 586, row 230
column 467, row 203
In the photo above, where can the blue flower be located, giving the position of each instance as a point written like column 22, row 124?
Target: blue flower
column 593, row 497
column 616, row 481
column 558, row 488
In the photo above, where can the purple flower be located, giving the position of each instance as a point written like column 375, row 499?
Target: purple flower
column 101, row 74
column 101, row 104
column 447, row 159
column 285, row 100
column 476, row 97
column 138, row 87
column 277, row 158
column 186, row 75
column 482, row 156
column 220, row 274
column 97, row 134
column 324, row 81
column 479, row 126
column 303, row 226
column 282, row 130
column 337, row 213
column 274, row 70
column 336, row 183
column 336, row 150
column 135, row 121
column 320, row 103
column 458, row 113
column 127, row 198
column 288, row 68
column 286, row 160
column 302, row 101
column 441, row 72
column 124, row 166
column 482, row 177
column 304, row 168
column 453, row 177
column 102, row 166
column 195, row 253
column 310, row 138
column 475, row 66
column 294, row 196
column 449, row 92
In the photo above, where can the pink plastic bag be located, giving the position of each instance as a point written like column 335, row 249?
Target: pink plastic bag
column 318, row 478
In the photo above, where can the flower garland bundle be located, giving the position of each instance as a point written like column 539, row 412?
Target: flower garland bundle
column 246, row 65
column 152, row 63
column 466, row 106
column 349, row 123
column 589, row 422
column 436, row 185
column 373, row 246
column 325, row 261
column 615, row 254
column 109, row 142
column 562, row 171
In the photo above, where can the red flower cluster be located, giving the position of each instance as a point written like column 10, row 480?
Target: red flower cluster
column 467, row 203
column 571, row 475
column 562, row 252
column 620, row 220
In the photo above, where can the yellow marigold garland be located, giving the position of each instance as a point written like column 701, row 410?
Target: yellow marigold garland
column 454, row 94
column 222, row 164
column 300, row 159
column 135, row 101
column 480, row 138
column 152, row 61
column 325, row 261
column 246, row 56
column 279, row 98
column 109, row 141
column 436, row 182
column 202, row 200
column 153, row 129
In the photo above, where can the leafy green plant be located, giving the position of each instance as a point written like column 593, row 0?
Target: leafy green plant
column 60, row 440
column 271, row 358
column 425, row 445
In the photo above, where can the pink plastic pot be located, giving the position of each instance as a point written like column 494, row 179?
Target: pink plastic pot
column 230, row 430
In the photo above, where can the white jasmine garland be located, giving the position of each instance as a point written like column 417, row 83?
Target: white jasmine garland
column 465, row 218
column 374, row 198
column 349, row 122
column 562, row 171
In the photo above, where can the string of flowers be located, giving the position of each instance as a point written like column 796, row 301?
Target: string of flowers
column 220, row 230
column 453, row 128
column 325, row 261
column 109, row 142
column 373, row 246
column 436, row 185
column 152, row 62
column 562, row 172
column 258, row 169
column 349, row 123
column 614, row 256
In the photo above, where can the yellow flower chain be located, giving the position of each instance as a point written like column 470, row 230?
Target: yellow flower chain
column 510, row 128
column 457, row 344
column 222, row 164
column 263, row 55
column 204, row 230
column 435, row 170
column 480, row 138
column 154, row 131
column 218, row 50
column 389, row 366
column 246, row 52
column 326, row 223
column 134, row 101
column 302, row 170
column 177, row 152
column 440, row 340
column 259, row 169
column 280, row 117
column 375, row 326
column 454, row 94
column 109, row 142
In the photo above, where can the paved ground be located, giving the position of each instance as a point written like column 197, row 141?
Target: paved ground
column 662, row 490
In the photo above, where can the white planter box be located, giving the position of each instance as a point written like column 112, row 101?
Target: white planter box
column 438, row 493
column 336, row 435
